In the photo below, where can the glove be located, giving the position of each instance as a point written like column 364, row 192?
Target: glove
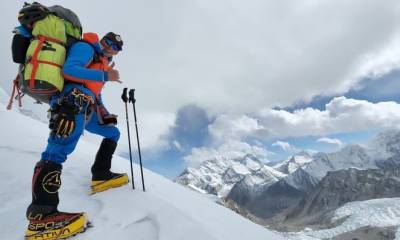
column 110, row 119
column 62, row 122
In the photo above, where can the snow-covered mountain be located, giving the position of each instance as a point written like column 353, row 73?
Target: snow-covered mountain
column 217, row 176
column 251, row 185
column 276, row 198
column 294, row 162
column 383, row 151
column 340, row 187
column 331, row 191
column 352, row 156
column 385, row 148
column 288, row 191
column 166, row 211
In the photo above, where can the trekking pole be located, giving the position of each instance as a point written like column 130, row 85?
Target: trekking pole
column 133, row 100
column 125, row 99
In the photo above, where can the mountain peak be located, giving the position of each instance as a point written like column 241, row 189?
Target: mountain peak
column 294, row 162
column 218, row 175
column 385, row 144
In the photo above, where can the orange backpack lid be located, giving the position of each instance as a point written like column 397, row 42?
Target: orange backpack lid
column 91, row 37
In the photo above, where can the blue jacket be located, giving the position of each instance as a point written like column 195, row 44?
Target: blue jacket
column 77, row 73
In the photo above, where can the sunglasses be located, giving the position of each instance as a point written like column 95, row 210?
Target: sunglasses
column 112, row 45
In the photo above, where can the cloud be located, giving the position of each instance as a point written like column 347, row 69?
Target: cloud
column 233, row 56
column 190, row 128
column 333, row 141
column 223, row 128
column 228, row 150
column 177, row 145
column 285, row 146
column 152, row 128
column 340, row 115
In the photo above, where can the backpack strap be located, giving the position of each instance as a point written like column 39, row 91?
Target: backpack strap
column 92, row 39
column 50, row 39
column 71, row 41
column 96, row 56
column 35, row 62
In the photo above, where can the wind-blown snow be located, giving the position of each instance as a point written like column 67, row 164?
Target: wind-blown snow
column 167, row 211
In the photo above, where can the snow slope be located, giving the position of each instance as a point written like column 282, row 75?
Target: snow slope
column 167, row 211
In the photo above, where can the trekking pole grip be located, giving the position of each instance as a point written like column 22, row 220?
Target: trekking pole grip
column 124, row 96
column 132, row 96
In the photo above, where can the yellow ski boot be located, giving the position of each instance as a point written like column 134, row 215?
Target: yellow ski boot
column 113, row 181
column 59, row 225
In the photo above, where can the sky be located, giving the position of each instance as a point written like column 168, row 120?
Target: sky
column 268, row 77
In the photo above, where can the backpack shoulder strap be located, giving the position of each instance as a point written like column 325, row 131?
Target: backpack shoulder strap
column 96, row 56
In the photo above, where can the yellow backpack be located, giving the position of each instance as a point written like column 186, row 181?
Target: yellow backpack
column 41, row 62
